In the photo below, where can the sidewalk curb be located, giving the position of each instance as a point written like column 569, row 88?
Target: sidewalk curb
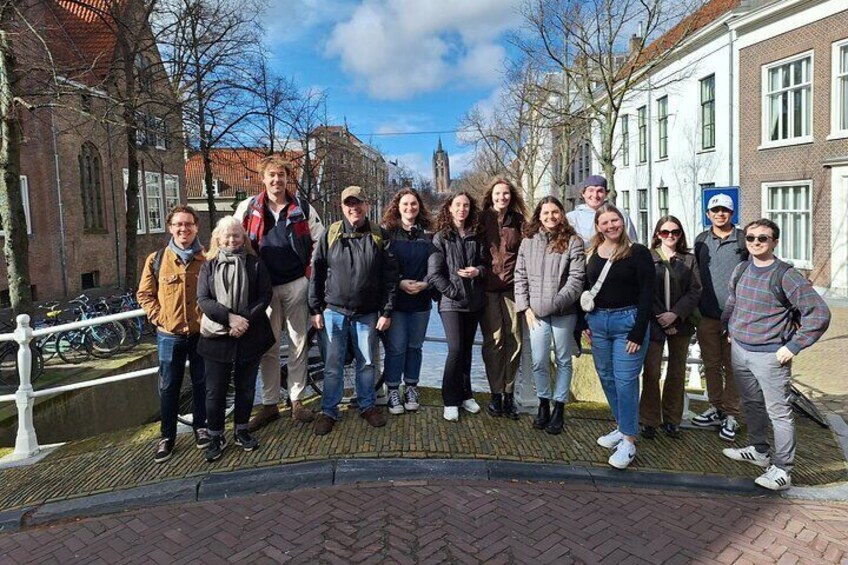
column 268, row 479
column 352, row 471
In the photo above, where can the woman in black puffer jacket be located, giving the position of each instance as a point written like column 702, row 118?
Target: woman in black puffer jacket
column 456, row 269
column 233, row 291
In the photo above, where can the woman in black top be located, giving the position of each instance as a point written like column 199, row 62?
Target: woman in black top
column 619, row 325
column 677, row 290
column 456, row 269
column 233, row 291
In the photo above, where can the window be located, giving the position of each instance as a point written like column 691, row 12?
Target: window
column 643, row 133
column 662, row 200
column 625, row 140
column 155, row 202
column 91, row 188
column 140, row 225
column 624, row 201
column 642, row 195
column 90, row 280
column 172, row 192
column 25, row 199
column 839, row 105
column 708, row 112
column 662, row 126
column 788, row 205
column 788, row 100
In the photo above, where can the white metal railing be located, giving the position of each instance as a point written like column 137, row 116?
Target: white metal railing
column 26, row 441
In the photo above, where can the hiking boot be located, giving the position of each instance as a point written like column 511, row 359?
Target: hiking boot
column 246, row 441
column 495, row 407
column 410, row 398
column 748, row 455
column 712, row 416
column 394, row 402
column 509, row 409
column 671, row 430
column 556, row 422
column 164, row 450
column 215, row 449
column 611, row 440
column 623, row 455
column 543, row 415
column 300, row 412
column 774, row 478
column 374, row 416
column 729, row 427
column 201, row 438
column 470, row 405
column 267, row 414
column 323, row 425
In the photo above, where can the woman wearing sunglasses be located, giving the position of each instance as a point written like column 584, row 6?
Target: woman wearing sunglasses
column 677, row 289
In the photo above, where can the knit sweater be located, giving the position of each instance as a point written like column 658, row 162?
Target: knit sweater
column 758, row 322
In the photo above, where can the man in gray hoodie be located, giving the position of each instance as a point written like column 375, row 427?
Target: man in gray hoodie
column 594, row 194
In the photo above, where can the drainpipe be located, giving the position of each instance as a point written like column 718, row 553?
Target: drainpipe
column 118, row 278
column 730, row 89
column 62, row 242
column 649, row 150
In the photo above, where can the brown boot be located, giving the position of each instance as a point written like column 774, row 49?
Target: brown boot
column 301, row 413
column 374, row 417
column 267, row 414
column 323, row 425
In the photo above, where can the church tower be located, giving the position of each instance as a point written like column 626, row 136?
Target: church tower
column 441, row 170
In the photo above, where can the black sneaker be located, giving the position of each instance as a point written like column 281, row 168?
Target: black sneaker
column 671, row 430
column 164, row 450
column 410, row 397
column 395, row 404
column 202, row 438
column 246, row 441
column 649, row 432
column 215, row 448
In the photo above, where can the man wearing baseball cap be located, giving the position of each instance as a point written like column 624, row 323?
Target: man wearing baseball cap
column 594, row 194
column 718, row 250
column 351, row 295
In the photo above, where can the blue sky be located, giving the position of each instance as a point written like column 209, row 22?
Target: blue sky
column 396, row 65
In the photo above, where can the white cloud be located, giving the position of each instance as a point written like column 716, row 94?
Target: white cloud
column 292, row 20
column 398, row 48
column 461, row 162
column 418, row 163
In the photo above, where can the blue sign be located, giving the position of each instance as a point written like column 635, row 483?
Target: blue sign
column 731, row 191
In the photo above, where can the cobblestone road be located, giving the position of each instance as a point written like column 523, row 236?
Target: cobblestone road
column 452, row 523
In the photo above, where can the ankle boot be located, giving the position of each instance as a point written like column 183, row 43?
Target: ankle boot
column 495, row 407
column 556, row 423
column 543, row 416
column 509, row 410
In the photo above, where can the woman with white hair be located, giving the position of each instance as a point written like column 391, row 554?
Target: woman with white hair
column 233, row 292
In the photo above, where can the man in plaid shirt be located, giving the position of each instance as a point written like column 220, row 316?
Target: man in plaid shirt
column 772, row 314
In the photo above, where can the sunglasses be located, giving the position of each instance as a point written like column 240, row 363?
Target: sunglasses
column 760, row 238
column 670, row 233
column 720, row 210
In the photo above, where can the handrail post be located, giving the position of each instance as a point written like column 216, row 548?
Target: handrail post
column 26, row 443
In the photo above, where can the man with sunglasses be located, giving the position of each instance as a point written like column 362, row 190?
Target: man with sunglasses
column 772, row 314
column 718, row 251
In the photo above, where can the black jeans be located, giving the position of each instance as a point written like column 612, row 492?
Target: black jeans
column 460, row 328
column 218, row 379
column 173, row 352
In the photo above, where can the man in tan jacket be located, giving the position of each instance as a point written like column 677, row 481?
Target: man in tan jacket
column 168, row 293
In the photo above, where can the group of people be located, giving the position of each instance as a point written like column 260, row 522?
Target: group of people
column 273, row 267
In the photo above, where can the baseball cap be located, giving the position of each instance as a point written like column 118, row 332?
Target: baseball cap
column 354, row 192
column 720, row 201
column 595, row 180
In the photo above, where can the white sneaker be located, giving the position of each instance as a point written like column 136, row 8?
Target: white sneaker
column 774, row 478
column 623, row 455
column 451, row 413
column 710, row 417
column 470, row 405
column 729, row 427
column 747, row 454
column 611, row 440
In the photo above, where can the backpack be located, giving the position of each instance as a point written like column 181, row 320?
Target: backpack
column 740, row 242
column 336, row 232
column 775, row 286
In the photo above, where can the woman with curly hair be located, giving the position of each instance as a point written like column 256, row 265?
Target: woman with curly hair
column 549, row 275
column 456, row 268
column 407, row 222
column 502, row 220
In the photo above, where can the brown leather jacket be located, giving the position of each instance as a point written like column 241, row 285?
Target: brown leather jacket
column 172, row 307
column 503, row 241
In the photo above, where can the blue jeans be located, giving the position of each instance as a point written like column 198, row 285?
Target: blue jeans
column 174, row 350
column 618, row 370
column 337, row 329
column 561, row 330
column 403, row 342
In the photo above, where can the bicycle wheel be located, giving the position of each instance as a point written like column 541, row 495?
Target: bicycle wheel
column 132, row 334
column 9, row 375
column 48, row 347
column 105, row 339
column 805, row 406
column 71, row 346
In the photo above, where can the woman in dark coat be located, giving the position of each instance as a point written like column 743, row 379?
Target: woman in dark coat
column 456, row 268
column 233, row 291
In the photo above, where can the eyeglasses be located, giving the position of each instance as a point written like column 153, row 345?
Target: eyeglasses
column 721, row 210
column 670, row 233
column 352, row 203
column 760, row 238
column 183, row 224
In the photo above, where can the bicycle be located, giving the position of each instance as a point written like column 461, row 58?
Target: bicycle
column 101, row 340
column 9, row 374
column 801, row 403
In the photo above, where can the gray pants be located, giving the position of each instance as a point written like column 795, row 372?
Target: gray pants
column 763, row 385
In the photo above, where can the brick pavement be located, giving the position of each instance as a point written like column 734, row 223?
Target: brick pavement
column 821, row 370
column 452, row 522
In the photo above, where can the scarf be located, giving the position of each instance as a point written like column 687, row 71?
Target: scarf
column 230, row 279
column 185, row 255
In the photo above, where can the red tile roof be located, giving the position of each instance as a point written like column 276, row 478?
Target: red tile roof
column 235, row 169
column 83, row 37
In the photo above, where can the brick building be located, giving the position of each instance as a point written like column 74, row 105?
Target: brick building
column 74, row 152
column 793, row 131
